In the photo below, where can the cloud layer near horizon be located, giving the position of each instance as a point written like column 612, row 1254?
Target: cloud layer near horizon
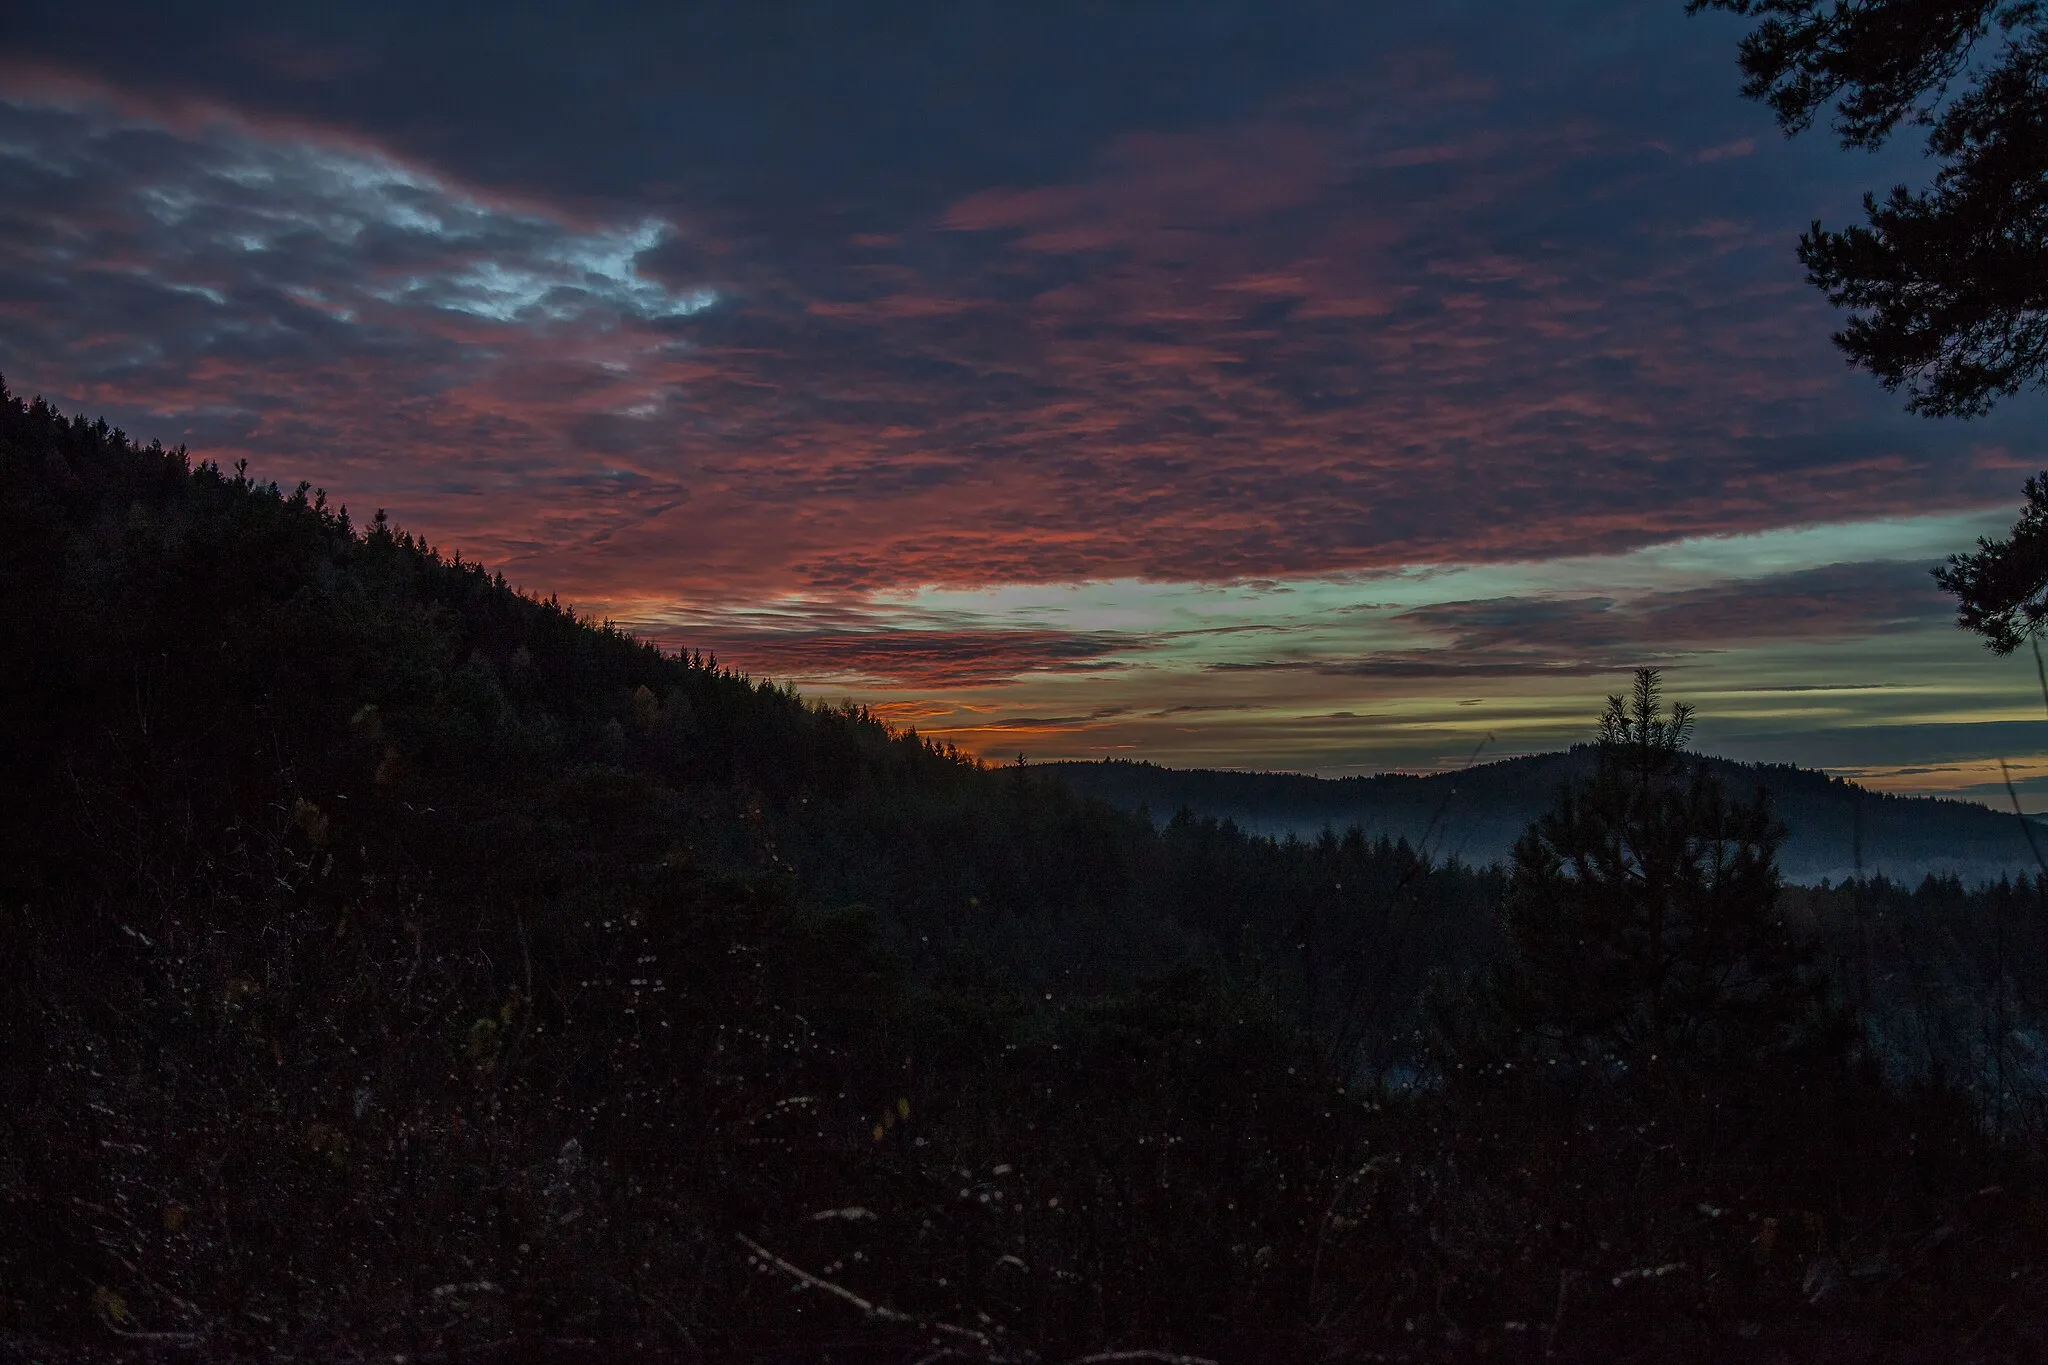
column 751, row 336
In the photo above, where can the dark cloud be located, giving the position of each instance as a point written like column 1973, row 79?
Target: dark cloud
column 1596, row 636
column 1256, row 294
column 853, row 111
column 1839, row 600
column 1431, row 665
column 682, row 310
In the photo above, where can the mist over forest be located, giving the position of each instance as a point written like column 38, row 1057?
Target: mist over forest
column 1835, row 830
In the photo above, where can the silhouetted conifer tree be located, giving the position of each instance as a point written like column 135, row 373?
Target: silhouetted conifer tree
column 1951, row 283
column 2002, row 589
column 1642, row 914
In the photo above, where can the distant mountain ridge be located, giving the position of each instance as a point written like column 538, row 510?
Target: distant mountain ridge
column 1477, row 813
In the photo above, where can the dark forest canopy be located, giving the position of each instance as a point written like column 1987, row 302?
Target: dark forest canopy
column 391, row 962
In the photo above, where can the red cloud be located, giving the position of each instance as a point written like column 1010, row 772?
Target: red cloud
column 1330, row 338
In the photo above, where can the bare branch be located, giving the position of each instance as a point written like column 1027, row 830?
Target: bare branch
column 875, row 1311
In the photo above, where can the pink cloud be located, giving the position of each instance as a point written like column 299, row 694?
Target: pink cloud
column 1320, row 340
column 1724, row 151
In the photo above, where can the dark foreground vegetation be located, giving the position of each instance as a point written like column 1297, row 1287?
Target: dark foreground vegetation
column 391, row 963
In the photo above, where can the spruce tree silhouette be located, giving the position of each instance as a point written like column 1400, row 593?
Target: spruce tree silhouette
column 2002, row 589
column 1642, row 915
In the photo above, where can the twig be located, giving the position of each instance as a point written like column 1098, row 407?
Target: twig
column 1445, row 804
column 689, row 1338
column 1564, row 1284
column 1998, row 925
column 875, row 1311
column 2040, row 669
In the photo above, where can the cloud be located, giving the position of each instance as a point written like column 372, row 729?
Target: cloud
column 1742, row 146
column 689, row 314
column 1341, row 320
column 922, row 659
column 383, row 330
column 1830, row 601
column 219, row 209
column 1605, row 635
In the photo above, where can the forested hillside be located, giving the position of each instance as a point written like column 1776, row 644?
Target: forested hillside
column 393, row 963
column 1835, row 829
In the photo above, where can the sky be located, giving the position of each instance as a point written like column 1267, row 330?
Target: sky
column 1315, row 386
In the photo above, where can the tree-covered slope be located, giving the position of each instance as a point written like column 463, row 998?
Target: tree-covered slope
column 368, row 928
column 196, row 650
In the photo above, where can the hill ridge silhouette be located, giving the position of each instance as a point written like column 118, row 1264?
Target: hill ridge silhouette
column 1476, row 813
